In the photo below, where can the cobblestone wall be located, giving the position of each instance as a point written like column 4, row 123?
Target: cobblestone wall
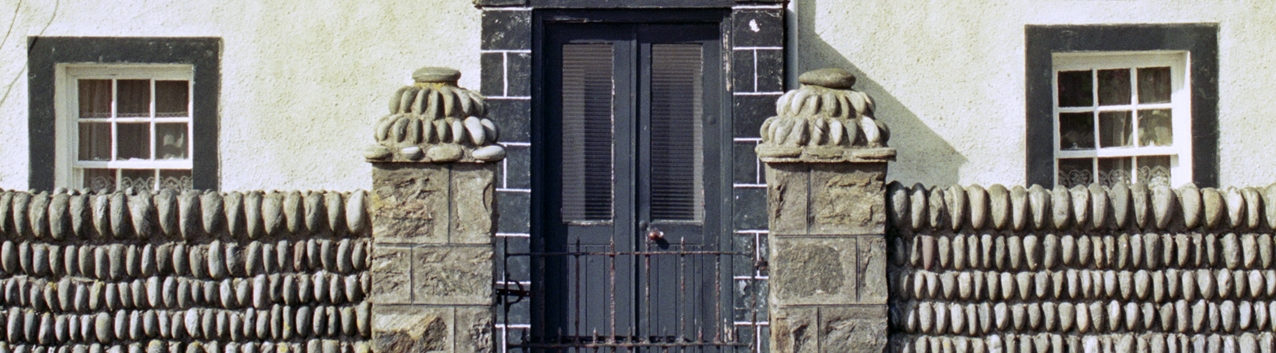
column 184, row 272
column 1087, row 269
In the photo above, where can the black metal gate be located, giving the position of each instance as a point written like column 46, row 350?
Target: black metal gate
column 597, row 315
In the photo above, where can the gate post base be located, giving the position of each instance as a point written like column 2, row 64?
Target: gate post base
column 827, row 257
column 432, row 257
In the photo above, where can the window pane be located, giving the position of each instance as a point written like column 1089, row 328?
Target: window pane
column 95, row 141
column 1115, row 170
column 99, row 179
column 677, row 165
column 1115, row 129
column 1075, row 89
column 1155, row 128
column 171, row 98
column 587, row 132
column 134, row 98
column 1154, row 85
column 95, row 98
column 137, row 179
column 170, row 141
column 134, row 141
column 1076, row 171
column 1076, row 131
column 175, row 179
column 1154, row 170
column 1114, row 87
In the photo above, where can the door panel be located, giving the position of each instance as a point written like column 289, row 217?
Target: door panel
column 629, row 248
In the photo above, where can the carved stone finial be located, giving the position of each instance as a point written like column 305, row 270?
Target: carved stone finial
column 434, row 120
column 824, row 120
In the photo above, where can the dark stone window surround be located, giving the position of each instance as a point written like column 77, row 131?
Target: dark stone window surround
column 202, row 53
column 1199, row 40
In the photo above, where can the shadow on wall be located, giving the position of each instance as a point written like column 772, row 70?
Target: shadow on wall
column 924, row 156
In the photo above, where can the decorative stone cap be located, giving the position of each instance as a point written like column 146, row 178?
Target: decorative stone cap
column 437, row 74
column 824, row 121
column 434, row 120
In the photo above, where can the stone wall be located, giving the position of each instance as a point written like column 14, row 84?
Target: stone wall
column 1087, row 269
column 184, row 272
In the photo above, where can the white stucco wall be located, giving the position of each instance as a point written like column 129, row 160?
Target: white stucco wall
column 949, row 76
column 302, row 81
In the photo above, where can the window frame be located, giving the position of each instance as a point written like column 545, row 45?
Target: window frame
column 68, row 119
column 1042, row 42
column 47, row 54
column 1180, row 151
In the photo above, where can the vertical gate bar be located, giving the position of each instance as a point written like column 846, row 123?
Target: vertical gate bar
column 576, row 312
column 505, row 270
column 717, row 295
column 682, row 284
column 646, row 303
column 611, row 249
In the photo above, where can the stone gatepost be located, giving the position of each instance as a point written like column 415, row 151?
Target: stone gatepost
column 826, row 164
column 433, row 183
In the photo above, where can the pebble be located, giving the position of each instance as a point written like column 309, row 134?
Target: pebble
column 299, row 260
column 1061, row 213
column 214, row 211
column 217, row 268
column 233, row 208
column 253, row 259
column 293, row 212
column 356, row 214
column 198, row 262
column 1164, row 202
column 39, row 260
column 1214, row 206
column 254, row 216
column 189, row 215
column 38, row 215
column 1099, row 206
column 1080, row 196
column 328, row 254
column 9, row 257
column 314, row 254
column 1140, row 205
column 316, row 214
column 102, row 327
column 1039, row 203
column 272, row 213
column 336, row 211
column 59, row 216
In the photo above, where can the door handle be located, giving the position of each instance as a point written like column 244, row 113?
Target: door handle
column 655, row 234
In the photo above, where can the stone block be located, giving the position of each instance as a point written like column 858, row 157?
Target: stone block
column 762, row 27
column 412, row 329
column 813, row 270
column 391, row 272
column 794, row 329
column 506, row 30
column 770, row 70
column 748, row 113
column 410, row 203
column 474, row 329
column 848, row 198
column 853, row 328
column 787, row 198
column 872, row 269
column 473, row 208
column 452, row 275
